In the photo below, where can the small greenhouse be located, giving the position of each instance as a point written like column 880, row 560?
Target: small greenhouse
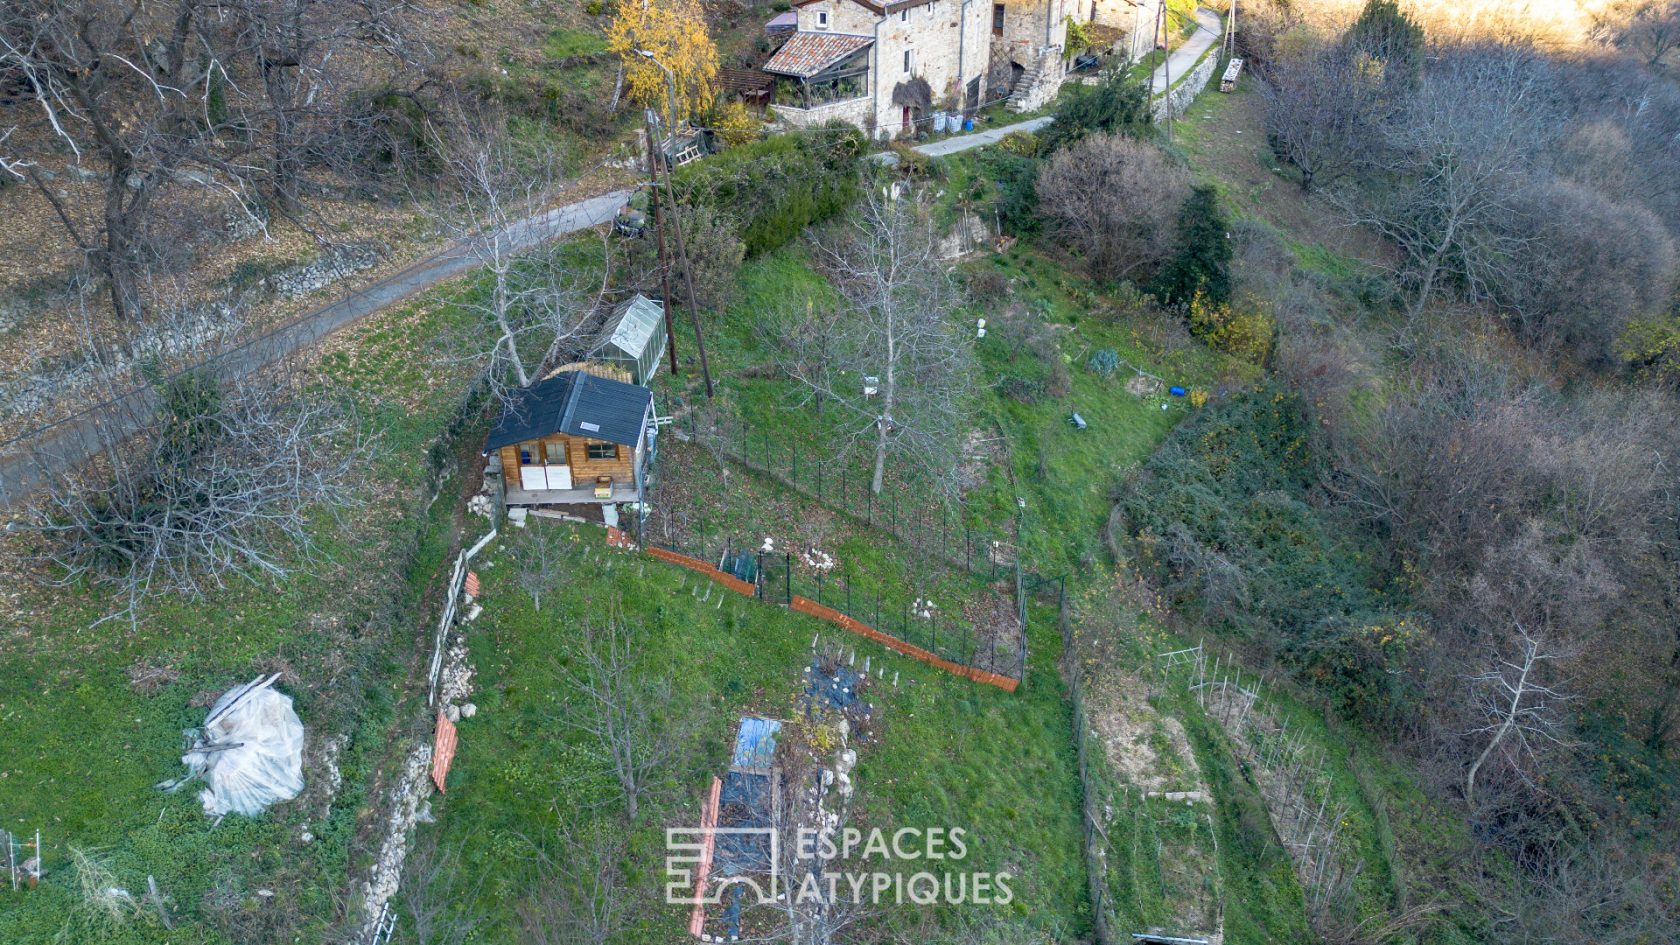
column 635, row 338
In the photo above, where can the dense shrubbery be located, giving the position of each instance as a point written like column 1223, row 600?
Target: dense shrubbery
column 1220, row 515
column 1201, row 260
column 1016, row 177
column 777, row 187
column 1116, row 105
column 1244, row 330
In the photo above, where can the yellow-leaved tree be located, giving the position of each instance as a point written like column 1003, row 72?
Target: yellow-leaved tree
column 675, row 32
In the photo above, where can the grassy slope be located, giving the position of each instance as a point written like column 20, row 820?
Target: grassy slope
column 94, row 744
column 951, row 753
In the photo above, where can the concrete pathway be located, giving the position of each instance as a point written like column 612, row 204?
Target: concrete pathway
column 978, row 139
column 72, row 439
column 1209, row 30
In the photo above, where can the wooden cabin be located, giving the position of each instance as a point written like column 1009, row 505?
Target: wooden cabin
column 574, row 438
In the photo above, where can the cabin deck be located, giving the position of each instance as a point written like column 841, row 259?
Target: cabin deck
column 621, row 492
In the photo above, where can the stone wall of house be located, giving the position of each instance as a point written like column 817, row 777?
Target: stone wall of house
column 1031, row 25
column 1135, row 19
column 844, row 16
column 945, row 50
column 856, row 111
column 1179, row 97
column 1041, row 81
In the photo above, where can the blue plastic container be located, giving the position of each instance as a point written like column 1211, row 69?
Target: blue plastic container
column 1176, row 391
column 968, row 124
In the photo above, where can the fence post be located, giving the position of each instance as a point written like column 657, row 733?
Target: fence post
column 787, row 577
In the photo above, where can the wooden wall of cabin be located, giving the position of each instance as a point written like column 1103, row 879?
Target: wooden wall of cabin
column 584, row 469
column 510, row 467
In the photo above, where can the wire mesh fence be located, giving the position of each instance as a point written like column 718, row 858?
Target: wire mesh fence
column 967, row 632
column 931, row 527
column 920, row 517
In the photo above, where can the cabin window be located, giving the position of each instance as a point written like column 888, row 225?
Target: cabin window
column 907, row 60
column 528, row 453
column 997, row 19
column 904, row 15
column 822, row 19
column 555, row 451
column 603, row 451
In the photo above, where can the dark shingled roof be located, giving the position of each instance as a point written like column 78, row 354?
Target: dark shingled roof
column 575, row 403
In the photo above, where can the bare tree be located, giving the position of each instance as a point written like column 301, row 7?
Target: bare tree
column 141, row 92
column 538, row 305
column 541, row 556
column 214, row 476
column 1327, row 106
column 580, row 895
column 442, row 907
column 623, row 707
column 1593, row 265
column 1450, row 170
column 1570, row 891
column 896, row 327
column 1650, row 29
column 1114, row 199
column 306, row 55
column 1520, row 710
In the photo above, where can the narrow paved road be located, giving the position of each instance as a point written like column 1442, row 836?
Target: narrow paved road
column 1209, row 30
column 72, row 439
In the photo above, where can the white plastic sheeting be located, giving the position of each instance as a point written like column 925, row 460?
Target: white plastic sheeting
column 250, row 751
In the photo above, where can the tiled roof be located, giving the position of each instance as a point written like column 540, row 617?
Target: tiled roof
column 806, row 54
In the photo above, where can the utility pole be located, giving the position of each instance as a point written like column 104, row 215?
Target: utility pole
column 1166, row 69
column 659, row 240
column 1231, row 31
column 676, row 218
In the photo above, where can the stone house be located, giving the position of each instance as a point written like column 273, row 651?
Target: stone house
column 886, row 66
column 881, row 66
column 1031, row 36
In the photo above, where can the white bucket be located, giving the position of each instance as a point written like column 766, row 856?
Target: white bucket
column 939, row 122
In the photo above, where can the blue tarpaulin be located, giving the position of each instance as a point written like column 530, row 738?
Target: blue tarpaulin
column 755, row 744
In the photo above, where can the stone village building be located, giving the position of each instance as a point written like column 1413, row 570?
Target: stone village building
column 886, row 66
